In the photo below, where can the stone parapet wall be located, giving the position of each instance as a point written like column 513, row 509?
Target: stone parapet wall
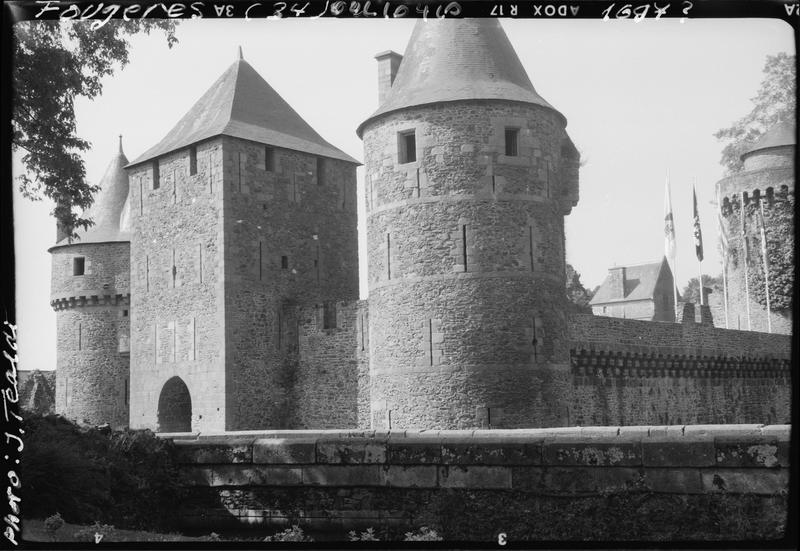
column 623, row 335
column 471, row 485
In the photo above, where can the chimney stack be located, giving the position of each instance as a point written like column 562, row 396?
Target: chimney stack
column 617, row 281
column 388, row 64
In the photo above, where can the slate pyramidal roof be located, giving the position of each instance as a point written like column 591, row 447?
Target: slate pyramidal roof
column 458, row 59
column 243, row 105
column 110, row 210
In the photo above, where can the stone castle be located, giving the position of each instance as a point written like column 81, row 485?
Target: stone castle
column 218, row 288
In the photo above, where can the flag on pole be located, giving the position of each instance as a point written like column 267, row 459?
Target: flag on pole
column 669, row 226
column 698, row 235
column 721, row 231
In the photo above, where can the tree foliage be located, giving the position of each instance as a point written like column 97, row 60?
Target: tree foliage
column 54, row 63
column 577, row 294
column 775, row 102
column 691, row 293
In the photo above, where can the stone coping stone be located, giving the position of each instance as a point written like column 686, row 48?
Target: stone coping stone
column 654, row 446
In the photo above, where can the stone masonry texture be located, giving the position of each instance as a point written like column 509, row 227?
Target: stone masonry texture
column 466, row 266
column 92, row 328
column 693, row 482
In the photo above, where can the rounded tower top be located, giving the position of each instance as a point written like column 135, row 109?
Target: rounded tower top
column 458, row 59
column 780, row 135
column 108, row 206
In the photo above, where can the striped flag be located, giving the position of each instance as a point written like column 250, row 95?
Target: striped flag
column 721, row 231
column 698, row 235
column 669, row 226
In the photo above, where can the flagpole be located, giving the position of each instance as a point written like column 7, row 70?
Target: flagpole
column 725, row 285
column 669, row 249
column 766, row 265
column 746, row 269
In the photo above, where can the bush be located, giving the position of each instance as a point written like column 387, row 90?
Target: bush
column 295, row 533
column 368, row 535
column 423, row 534
column 125, row 478
column 53, row 524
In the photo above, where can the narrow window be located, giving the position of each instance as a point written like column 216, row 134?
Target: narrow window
column 407, row 147
column 388, row 256
column 174, row 269
column 78, row 265
column 269, row 159
column 320, row 171
column 156, row 175
column 284, row 262
column 512, row 139
column 193, row 160
column 430, row 340
column 489, row 417
column 464, row 245
column 126, row 392
column 329, row 316
column 124, row 313
column 389, row 418
column 530, row 245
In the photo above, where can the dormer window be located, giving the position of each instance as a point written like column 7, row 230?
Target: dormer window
column 78, row 266
column 407, row 147
column 512, row 142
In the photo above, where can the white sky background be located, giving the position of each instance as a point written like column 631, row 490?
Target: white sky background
column 640, row 99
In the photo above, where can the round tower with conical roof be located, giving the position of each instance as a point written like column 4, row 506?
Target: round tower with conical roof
column 765, row 185
column 90, row 292
column 469, row 174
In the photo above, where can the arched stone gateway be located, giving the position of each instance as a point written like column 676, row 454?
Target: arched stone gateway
column 174, row 407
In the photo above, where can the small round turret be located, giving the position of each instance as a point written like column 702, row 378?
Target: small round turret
column 90, row 293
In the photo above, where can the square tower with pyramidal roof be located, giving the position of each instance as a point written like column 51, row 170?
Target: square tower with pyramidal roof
column 241, row 212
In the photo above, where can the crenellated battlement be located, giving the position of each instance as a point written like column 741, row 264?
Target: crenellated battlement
column 91, row 299
column 616, row 363
column 732, row 202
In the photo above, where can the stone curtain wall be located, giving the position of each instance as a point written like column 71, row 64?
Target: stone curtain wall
column 609, row 483
column 177, row 315
column 328, row 387
column 628, row 372
column 290, row 239
column 466, row 266
column 92, row 332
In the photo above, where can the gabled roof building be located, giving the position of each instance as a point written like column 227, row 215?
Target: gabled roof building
column 639, row 291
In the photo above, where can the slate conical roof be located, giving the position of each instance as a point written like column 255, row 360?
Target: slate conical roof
column 108, row 207
column 241, row 104
column 781, row 134
column 458, row 59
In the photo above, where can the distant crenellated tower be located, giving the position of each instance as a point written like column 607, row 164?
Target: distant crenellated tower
column 90, row 292
column 239, row 213
column 767, row 180
column 469, row 174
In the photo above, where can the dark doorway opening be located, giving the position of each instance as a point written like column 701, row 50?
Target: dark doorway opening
column 174, row 407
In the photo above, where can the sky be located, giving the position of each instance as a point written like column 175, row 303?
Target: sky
column 641, row 99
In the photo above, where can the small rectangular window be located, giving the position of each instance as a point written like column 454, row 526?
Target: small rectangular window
column 284, row 262
column 124, row 313
column 78, row 265
column 320, row 171
column 269, row 159
column 156, row 175
column 512, row 139
column 193, row 160
column 407, row 147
